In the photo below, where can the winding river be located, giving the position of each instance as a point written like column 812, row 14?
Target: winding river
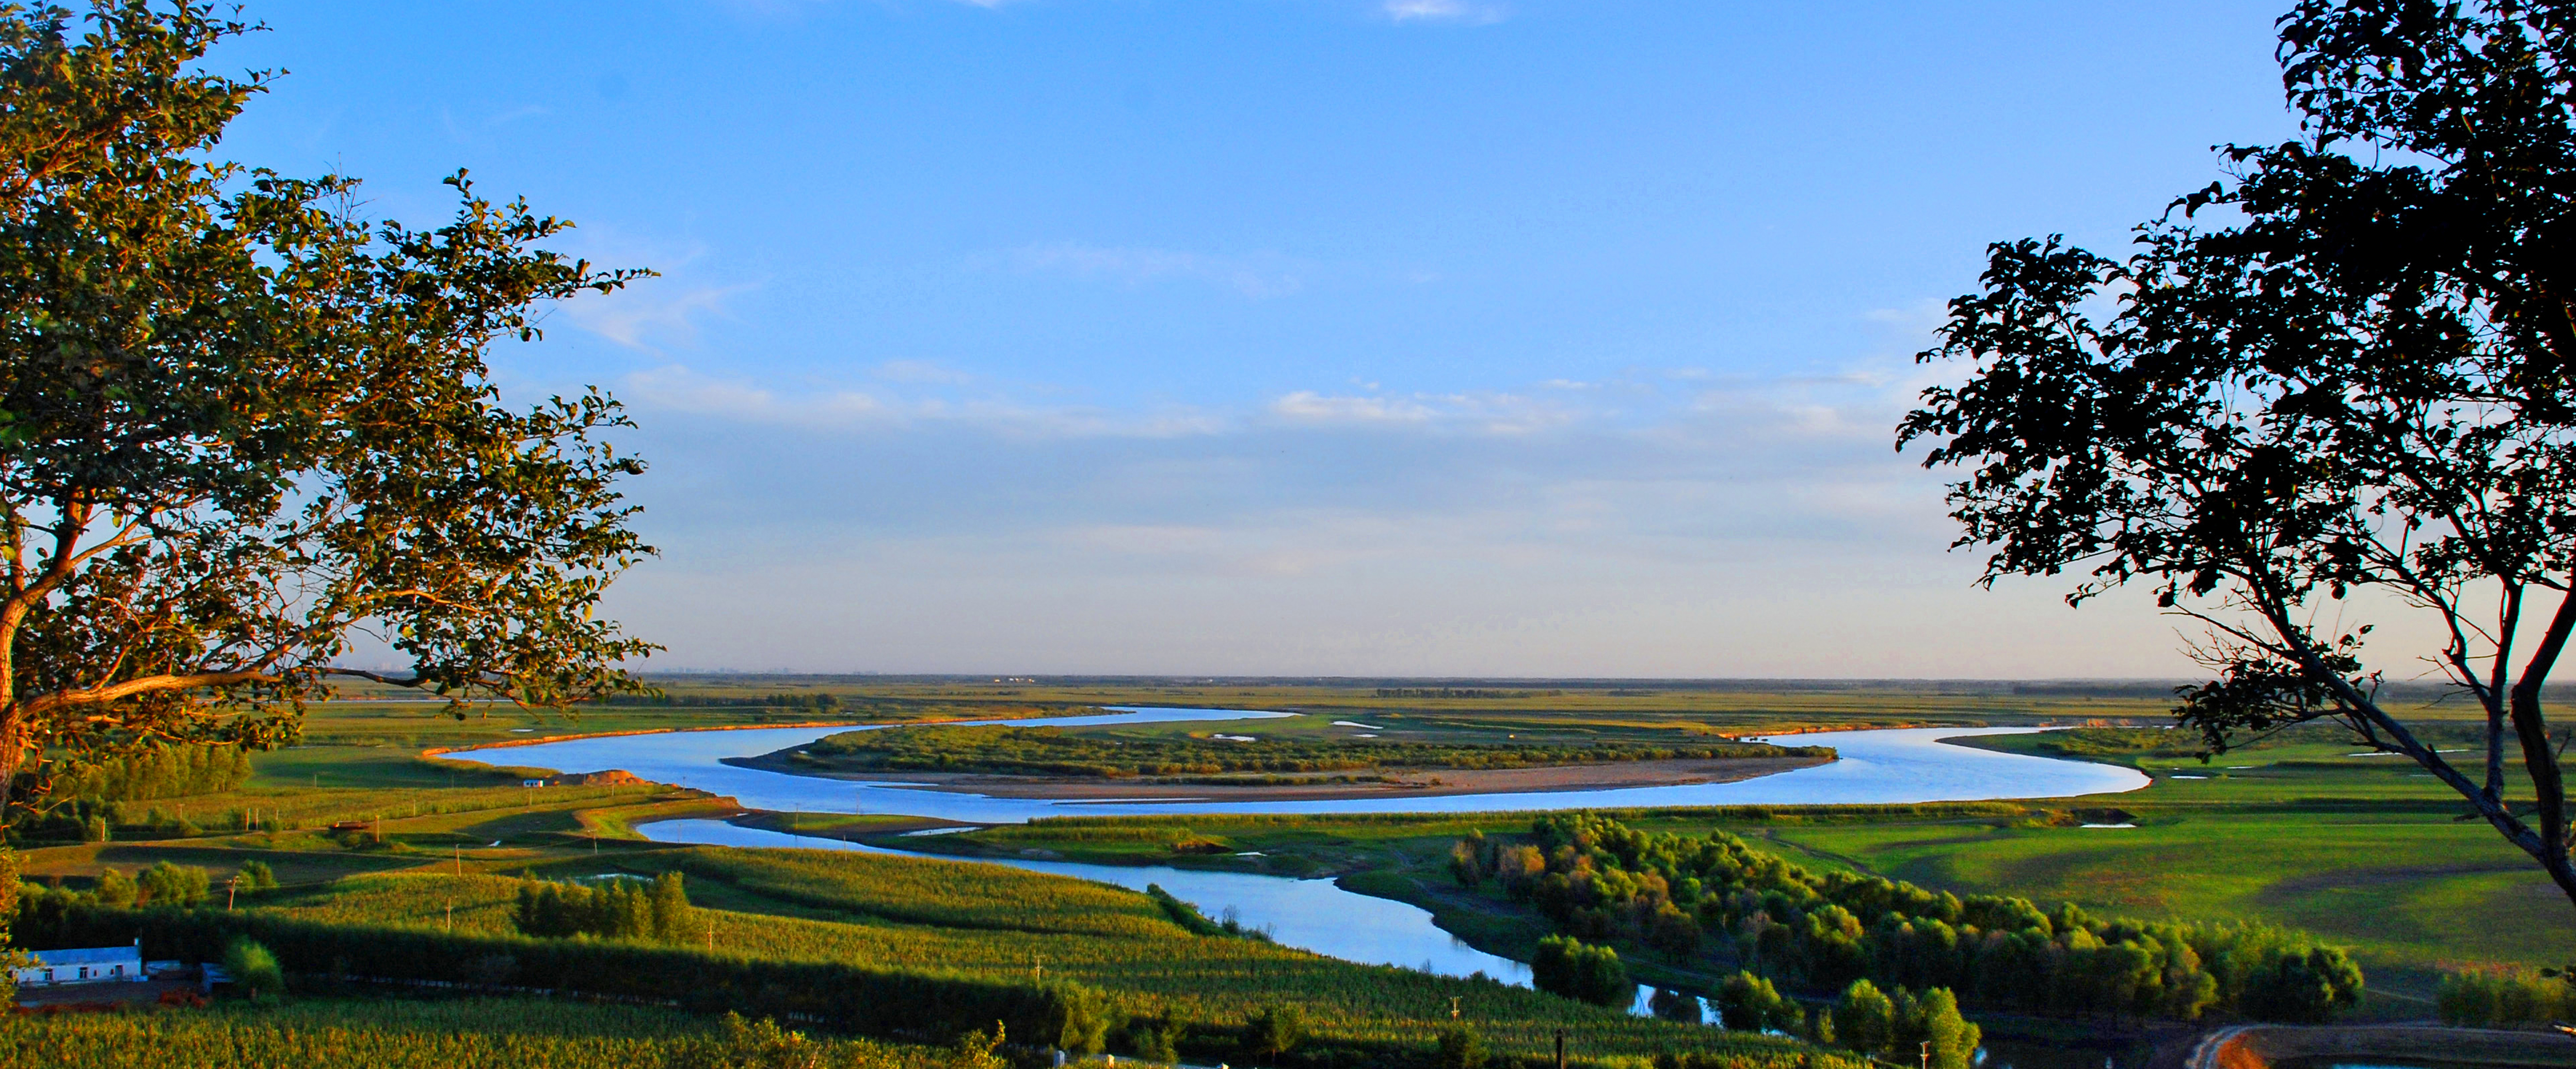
column 1885, row 766
column 1881, row 766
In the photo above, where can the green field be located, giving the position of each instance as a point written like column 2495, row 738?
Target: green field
column 410, row 1034
column 2354, row 849
column 2363, row 851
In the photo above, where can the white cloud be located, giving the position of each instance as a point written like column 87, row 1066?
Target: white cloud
column 1259, row 277
column 647, row 317
column 1737, row 527
column 1443, row 11
column 1312, row 406
column 678, row 389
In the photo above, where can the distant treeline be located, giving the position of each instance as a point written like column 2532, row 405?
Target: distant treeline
column 1717, row 897
column 2183, row 742
column 176, row 771
column 859, row 708
column 1462, row 692
column 1052, row 752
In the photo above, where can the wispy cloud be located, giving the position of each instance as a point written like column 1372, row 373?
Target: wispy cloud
column 1493, row 413
column 678, row 389
column 1476, row 14
column 1260, row 277
column 647, row 317
column 1768, row 530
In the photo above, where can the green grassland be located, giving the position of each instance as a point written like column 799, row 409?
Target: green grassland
column 2356, row 849
column 2365, row 851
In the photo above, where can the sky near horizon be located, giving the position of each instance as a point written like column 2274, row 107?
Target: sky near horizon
column 1339, row 337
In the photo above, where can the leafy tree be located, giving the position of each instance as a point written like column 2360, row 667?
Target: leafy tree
column 239, row 422
column 1459, row 1048
column 1274, row 1031
column 254, row 970
column 166, row 884
column 2356, row 375
column 1078, row 1018
column 1934, row 1019
column 1565, row 966
column 1672, row 1005
column 1865, row 1018
column 1749, row 1003
column 9, row 959
column 114, row 888
column 2306, row 988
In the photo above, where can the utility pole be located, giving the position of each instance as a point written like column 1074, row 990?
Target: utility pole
column 1453, row 1007
column 451, row 918
column 232, row 887
column 1560, row 1048
column 1927, row 1054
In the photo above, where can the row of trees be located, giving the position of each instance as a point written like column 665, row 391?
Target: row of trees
column 177, row 771
column 617, row 909
column 1717, row 896
column 164, row 884
column 2506, row 998
column 1049, row 751
column 1899, row 1028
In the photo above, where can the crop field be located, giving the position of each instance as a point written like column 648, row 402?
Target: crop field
column 981, row 921
column 455, row 1034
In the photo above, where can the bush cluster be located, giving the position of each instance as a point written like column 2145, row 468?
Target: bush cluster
column 1718, row 897
column 1564, row 966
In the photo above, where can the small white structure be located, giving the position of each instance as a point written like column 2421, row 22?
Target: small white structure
column 85, row 966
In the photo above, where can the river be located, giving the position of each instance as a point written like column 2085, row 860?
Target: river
column 1878, row 766
column 1883, row 766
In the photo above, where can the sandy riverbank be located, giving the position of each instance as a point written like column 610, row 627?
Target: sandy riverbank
column 1420, row 783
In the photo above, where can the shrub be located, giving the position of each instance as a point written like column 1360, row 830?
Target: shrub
column 257, row 876
column 254, row 970
column 165, row 884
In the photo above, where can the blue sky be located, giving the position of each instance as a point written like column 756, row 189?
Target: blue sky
column 1373, row 337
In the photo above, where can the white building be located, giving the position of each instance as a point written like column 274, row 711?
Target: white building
column 87, row 966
